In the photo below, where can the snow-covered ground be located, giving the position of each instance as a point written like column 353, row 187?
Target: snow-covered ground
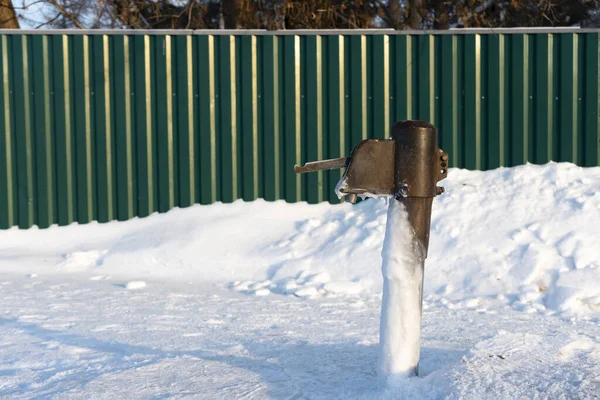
column 274, row 300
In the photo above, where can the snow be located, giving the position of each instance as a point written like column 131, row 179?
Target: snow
column 400, row 326
column 273, row 300
column 133, row 285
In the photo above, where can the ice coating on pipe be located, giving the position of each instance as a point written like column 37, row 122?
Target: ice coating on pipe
column 400, row 324
column 343, row 185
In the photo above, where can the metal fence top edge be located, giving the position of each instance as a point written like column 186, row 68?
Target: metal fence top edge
column 304, row 32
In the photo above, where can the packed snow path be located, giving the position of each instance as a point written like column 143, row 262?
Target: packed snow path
column 188, row 304
column 95, row 339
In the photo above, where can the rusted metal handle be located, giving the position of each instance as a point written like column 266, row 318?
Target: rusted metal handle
column 321, row 165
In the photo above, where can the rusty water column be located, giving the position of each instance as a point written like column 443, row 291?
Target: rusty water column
column 405, row 168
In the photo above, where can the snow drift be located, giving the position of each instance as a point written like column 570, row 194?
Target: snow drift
column 526, row 236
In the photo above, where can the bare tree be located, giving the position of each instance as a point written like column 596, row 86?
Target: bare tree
column 312, row 14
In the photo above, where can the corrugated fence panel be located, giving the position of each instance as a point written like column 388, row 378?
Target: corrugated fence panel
column 98, row 126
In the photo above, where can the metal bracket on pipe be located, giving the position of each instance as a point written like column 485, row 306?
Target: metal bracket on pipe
column 370, row 170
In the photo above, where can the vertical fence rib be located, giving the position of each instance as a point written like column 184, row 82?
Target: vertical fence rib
column 228, row 123
column 544, row 98
column 292, row 116
column 592, row 101
column 496, row 95
column 184, row 101
column 381, row 86
column 404, row 91
column 123, row 139
column 23, row 132
column 520, row 100
column 336, row 107
column 63, row 131
column 207, row 119
column 7, row 169
column 144, row 140
column 163, row 108
column 103, row 128
column 270, row 105
column 473, row 102
column 568, row 97
column 314, row 117
column 83, row 139
column 358, row 88
column 448, row 129
column 249, row 110
column 44, row 143
column 426, row 78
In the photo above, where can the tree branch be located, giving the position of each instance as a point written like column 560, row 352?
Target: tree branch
column 49, row 21
column 67, row 14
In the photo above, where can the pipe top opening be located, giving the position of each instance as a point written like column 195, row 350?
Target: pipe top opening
column 412, row 124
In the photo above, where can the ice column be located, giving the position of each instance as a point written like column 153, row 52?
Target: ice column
column 402, row 270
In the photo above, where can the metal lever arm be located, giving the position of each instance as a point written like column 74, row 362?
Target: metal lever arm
column 321, row 165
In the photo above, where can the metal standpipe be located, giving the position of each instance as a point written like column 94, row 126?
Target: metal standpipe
column 405, row 168
column 418, row 165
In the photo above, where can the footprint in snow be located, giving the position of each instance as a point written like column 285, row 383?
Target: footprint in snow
column 135, row 285
column 132, row 285
column 99, row 277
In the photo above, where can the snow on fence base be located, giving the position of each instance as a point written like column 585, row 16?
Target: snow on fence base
column 406, row 168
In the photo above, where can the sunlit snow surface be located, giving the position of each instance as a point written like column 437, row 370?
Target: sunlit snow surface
column 273, row 300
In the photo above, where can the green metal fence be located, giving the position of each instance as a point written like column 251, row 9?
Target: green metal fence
column 104, row 125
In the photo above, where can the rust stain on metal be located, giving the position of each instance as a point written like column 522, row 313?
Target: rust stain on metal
column 371, row 168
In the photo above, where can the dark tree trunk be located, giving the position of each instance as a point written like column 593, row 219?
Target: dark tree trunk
column 442, row 17
column 395, row 14
column 8, row 17
column 229, row 14
column 414, row 18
